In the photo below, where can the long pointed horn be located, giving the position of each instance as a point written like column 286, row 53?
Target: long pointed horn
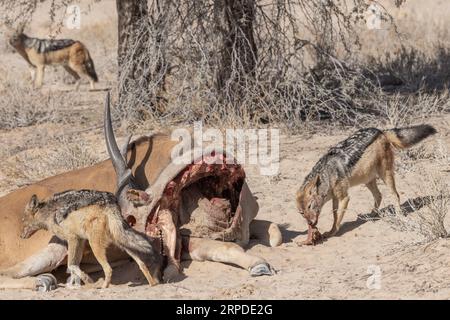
column 122, row 172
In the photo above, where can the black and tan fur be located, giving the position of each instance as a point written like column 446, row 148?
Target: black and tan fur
column 363, row 157
column 72, row 55
column 77, row 216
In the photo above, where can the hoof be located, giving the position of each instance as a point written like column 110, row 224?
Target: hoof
column 46, row 282
column 262, row 269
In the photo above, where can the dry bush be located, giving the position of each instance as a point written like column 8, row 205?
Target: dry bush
column 21, row 106
column 308, row 70
column 194, row 71
column 426, row 215
column 304, row 77
column 435, row 155
column 414, row 69
column 398, row 109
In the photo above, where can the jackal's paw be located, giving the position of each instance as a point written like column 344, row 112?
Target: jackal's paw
column 307, row 242
column 314, row 238
column 262, row 269
column 46, row 282
column 73, row 282
column 328, row 234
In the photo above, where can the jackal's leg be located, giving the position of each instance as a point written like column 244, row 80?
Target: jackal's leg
column 39, row 76
column 99, row 250
column 75, row 254
column 335, row 227
column 75, row 251
column 73, row 74
column 76, row 276
column 342, row 206
column 46, row 260
column 152, row 281
column 225, row 252
column 91, row 84
column 372, row 186
column 388, row 178
column 81, row 72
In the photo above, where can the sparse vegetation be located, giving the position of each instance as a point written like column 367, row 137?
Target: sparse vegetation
column 21, row 107
column 64, row 154
column 426, row 213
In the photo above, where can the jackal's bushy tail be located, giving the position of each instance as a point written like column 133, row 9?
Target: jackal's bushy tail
column 90, row 69
column 127, row 238
column 407, row 137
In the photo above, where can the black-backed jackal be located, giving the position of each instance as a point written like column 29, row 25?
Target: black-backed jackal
column 72, row 55
column 77, row 216
column 366, row 155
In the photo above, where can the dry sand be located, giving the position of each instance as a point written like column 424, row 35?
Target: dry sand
column 336, row 269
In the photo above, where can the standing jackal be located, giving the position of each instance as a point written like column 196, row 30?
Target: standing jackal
column 77, row 216
column 366, row 155
column 72, row 55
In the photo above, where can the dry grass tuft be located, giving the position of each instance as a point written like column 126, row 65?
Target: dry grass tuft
column 36, row 164
column 429, row 222
column 425, row 214
column 20, row 106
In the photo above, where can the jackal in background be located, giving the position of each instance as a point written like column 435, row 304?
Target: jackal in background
column 366, row 155
column 72, row 55
column 77, row 216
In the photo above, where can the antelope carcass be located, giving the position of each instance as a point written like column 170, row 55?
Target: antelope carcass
column 200, row 210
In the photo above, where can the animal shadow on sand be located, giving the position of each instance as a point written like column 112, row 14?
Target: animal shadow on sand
column 125, row 272
column 408, row 207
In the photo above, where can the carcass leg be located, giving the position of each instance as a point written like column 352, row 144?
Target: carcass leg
column 43, row 282
column 43, row 261
column 225, row 252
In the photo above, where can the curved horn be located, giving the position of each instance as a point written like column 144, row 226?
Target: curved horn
column 122, row 172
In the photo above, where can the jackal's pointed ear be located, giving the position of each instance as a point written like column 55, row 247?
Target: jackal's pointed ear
column 33, row 202
column 315, row 185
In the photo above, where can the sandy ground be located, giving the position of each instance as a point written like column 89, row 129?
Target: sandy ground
column 341, row 268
